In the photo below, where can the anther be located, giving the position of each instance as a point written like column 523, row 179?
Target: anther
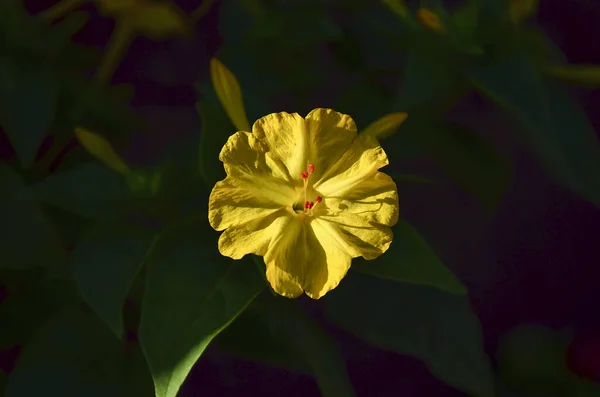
column 307, row 205
column 318, row 199
column 311, row 168
column 304, row 175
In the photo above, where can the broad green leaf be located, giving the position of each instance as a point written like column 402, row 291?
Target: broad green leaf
column 472, row 162
column 588, row 75
column 192, row 294
column 559, row 130
column 310, row 340
column 90, row 190
column 411, row 260
column 252, row 336
column 72, row 355
column 26, row 237
column 422, row 322
column 30, row 112
column 583, row 388
column 104, row 264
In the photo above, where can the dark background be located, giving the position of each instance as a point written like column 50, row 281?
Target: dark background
column 535, row 260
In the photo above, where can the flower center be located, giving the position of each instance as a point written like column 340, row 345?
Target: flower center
column 307, row 205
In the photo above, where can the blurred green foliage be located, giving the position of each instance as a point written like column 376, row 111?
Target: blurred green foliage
column 82, row 242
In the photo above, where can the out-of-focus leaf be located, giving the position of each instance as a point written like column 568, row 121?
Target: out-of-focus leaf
column 251, row 336
column 230, row 94
column 559, row 130
column 30, row 305
column 216, row 129
column 411, row 260
column 399, row 178
column 472, row 162
column 26, row 238
column 588, row 75
column 520, row 10
column 318, row 349
column 74, row 354
column 192, row 294
column 385, row 126
column 100, row 148
column 159, row 20
column 429, row 76
column 531, row 358
column 90, row 190
column 29, row 113
column 104, row 263
column 433, row 326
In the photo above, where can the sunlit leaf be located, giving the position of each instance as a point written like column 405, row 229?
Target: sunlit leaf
column 385, row 126
column 100, row 148
column 192, row 294
column 410, row 260
column 104, row 264
column 159, row 20
column 559, row 130
column 230, row 94
column 436, row 327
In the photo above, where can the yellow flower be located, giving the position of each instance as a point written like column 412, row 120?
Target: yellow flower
column 307, row 195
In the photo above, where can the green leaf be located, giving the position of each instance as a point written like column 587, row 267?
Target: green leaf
column 26, row 238
column 192, row 294
column 411, row 260
column 559, row 130
column 90, row 190
column 472, row 162
column 104, row 263
column 252, row 336
column 30, row 305
column 72, row 355
column 30, row 112
column 436, row 327
column 310, row 340
column 216, row 129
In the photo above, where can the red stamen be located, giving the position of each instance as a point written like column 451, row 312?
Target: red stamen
column 307, row 205
column 311, row 168
column 318, row 199
column 310, row 205
column 304, row 175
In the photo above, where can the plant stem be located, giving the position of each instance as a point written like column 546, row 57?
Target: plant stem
column 119, row 42
column 60, row 9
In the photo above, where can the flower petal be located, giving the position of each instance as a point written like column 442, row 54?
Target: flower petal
column 286, row 258
column 252, row 237
column 361, row 160
column 285, row 136
column 329, row 135
column 375, row 199
column 355, row 235
column 235, row 200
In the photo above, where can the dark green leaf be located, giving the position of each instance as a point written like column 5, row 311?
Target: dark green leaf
column 422, row 322
column 410, row 260
column 26, row 238
column 251, row 336
column 216, row 129
column 559, row 130
column 30, row 112
column 310, row 340
column 90, row 190
column 472, row 162
column 105, row 263
column 73, row 355
column 29, row 306
column 192, row 294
